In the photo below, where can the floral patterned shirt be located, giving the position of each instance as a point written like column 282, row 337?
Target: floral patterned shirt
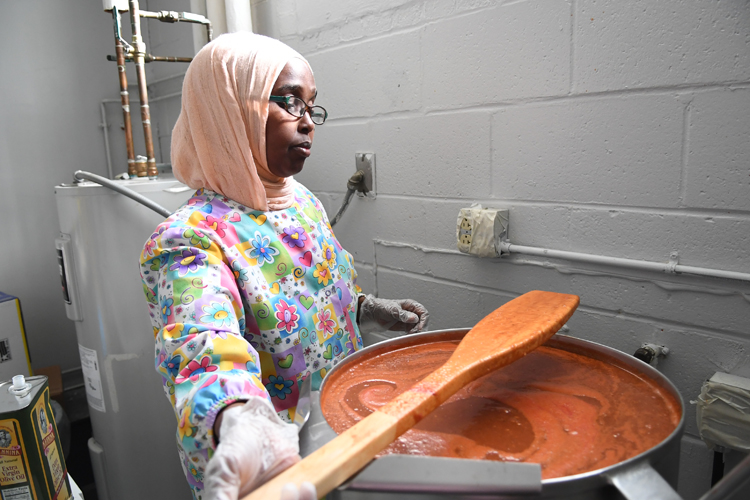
column 244, row 303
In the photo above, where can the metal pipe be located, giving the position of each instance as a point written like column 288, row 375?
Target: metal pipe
column 152, row 58
column 344, row 205
column 732, row 483
column 120, row 50
column 170, row 16
column 80, row 174
column 668, row 267
column 139, row 55
column 355, row 183
column 104, row 125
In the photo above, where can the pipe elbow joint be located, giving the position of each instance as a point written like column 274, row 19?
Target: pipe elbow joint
column 357, row 182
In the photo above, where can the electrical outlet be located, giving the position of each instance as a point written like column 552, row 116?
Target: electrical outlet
column 479, row 230
column 464, row 231
column 366, row 163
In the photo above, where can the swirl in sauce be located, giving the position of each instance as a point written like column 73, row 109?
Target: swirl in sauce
column 568, row 412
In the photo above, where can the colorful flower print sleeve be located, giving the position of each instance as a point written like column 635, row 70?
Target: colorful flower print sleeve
column 244, row 303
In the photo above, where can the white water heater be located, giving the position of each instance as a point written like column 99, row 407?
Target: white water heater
column 133, row 449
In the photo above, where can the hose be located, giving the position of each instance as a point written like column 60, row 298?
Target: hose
column 355, row 183
column 80, row 174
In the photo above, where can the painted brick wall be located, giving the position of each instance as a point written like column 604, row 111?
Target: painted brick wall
column 606, row 127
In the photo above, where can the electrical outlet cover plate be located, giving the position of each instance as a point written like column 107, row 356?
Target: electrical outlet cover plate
column 479, row 230
column 366, row 163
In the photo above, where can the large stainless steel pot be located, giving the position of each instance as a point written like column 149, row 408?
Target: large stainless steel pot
column 650, row 475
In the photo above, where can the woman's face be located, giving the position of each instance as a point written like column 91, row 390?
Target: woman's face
column 288, row 138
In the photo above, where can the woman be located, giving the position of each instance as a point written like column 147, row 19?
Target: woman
column 249, row 291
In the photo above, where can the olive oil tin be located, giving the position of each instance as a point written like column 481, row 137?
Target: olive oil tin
column 32, row 466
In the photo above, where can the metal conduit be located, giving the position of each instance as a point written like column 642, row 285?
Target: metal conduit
column 669, row 267
column 80, row 174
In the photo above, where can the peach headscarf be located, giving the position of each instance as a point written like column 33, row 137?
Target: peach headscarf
column 219, row 140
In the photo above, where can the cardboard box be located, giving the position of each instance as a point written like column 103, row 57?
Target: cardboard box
column 14, row 353
column 54, row 380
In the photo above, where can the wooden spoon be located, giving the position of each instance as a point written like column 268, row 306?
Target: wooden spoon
column 505, row 335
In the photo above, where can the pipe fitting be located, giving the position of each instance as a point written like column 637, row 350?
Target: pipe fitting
column 357, row 182
column 650, row 353
column 169, row 16
column 503, row 248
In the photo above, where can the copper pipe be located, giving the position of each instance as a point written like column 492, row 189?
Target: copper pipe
column 151, row 58
column 124, row 95
column 139, row 56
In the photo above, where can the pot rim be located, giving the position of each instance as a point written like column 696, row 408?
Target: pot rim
column 635, row 364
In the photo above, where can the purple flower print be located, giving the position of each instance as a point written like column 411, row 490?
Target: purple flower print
column 189, row 261
column 285, row 313
column 294, row 237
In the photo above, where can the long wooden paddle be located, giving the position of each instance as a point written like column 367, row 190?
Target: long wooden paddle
column 505, row 335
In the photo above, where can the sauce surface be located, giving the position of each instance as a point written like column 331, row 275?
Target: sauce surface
column 568, row 412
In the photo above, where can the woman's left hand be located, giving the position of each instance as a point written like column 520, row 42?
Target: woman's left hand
column 384, row 314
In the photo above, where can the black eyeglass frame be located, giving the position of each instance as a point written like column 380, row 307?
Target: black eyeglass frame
column 309, row 109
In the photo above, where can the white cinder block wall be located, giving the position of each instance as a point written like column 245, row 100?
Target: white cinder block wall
column 606, row 127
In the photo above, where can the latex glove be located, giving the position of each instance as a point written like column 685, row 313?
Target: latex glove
column 255, row 445
column 384, row 314
column 306, row 491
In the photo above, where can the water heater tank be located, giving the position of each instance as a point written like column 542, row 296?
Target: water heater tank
column 134, row 453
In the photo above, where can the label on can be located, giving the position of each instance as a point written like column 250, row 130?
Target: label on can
column 32, row 466
column 14, row 465
column 20, row 493
column 46, row 441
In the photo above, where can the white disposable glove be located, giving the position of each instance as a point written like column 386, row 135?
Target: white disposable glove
column 255, row 445
column 383, row 314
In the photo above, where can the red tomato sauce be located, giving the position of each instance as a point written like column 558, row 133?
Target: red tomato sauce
column 568, row 412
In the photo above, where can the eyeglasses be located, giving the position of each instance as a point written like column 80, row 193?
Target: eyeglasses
column 297, row 107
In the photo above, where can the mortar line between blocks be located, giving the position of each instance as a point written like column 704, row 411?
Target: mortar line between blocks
column 457, row 284
column 662, row 322
column 573, row 24
column 491, row 153
column 615, row 314
column 686, row 113
column 719, row 213
column 685, row 283
column 542, row 100
column 298, row 37
column 375, row 265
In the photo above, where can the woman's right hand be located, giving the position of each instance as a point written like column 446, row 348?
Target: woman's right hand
column 255, row 445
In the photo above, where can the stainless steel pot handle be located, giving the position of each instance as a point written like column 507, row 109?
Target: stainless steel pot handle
column 642, row 482
column 732, row 483
column 439, row 475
